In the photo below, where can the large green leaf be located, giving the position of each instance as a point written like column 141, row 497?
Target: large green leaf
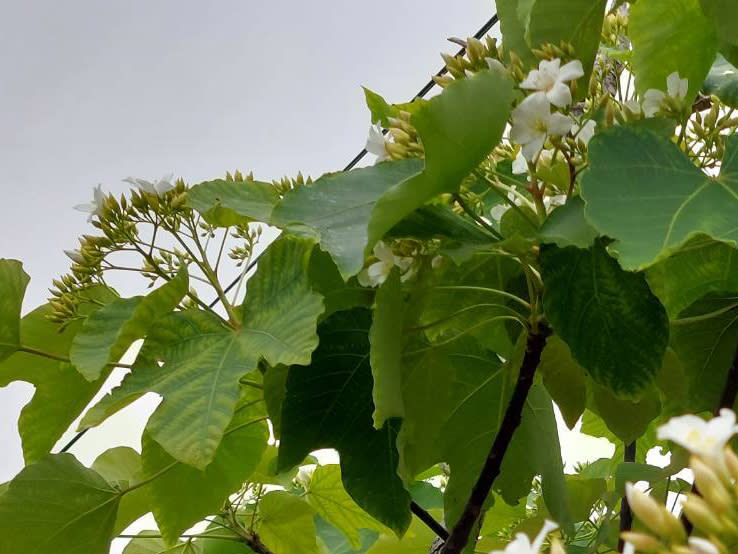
column 669, row 36
column 57, row 505
column 13, row 283
column 286, row 524
column 148, row 542
column 329, row 405
column 614, row 325
column 644, row 192
column 458, row 129
column 578, row 22
column 203, row 361
column 387, row 341
column 226, row 203
column 701, row 266
column 326, row 495
column 566, row 226
column 121, row 467
column 177, row 507
column 513, row 30
column 61, row 392
column 724, row 15
column 337, row 209
column 333, row 541
column 337, row 294
column 107, row 333
column 627, row 419
column 417, row 539
column 564, row 379
column 705, row 338
column 722, row 81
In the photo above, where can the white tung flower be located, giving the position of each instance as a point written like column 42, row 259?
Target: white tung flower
column 158, row 188
column 94, row 208
column 533, row 122
column 676, row 88
column 551, row 202
column 700, row 437
column 375, row 144
column 551, row 77
column 521, row 543
column 75, row 256
column 495, row 65
column 377, row 273
column 520, row 164
column 702, row 546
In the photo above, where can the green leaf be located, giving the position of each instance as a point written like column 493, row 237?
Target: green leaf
column 328, row 405
column 566, row 226
column 225, row 545
column 387, row 342
column 441, row 222
column 724, row 15
column 382, row 110
column 337, row 294
column 275, row 386
column 61, row 392
column 146, row 542
column 722, row 81
column 701, row 266
column 669, row 36
column 705, row 338
column 417, row 539
column 286, row 524
column 121, row 467
column 56, row 505
column 177, row 507
column 226, row 203
column 564, row 379
column 644, row 192
column 632, row 473
column 578, row 22
column 13, row 283
column 615, row 327
column 513, row 30
column 326, row 495
column 458, row 129
column 203, row 361
column 583, row 493
column 337, row 208
column 333, row 541
column 106, row 334
column 628, row 420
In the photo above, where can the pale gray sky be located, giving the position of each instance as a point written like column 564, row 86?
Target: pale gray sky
column 92, row 91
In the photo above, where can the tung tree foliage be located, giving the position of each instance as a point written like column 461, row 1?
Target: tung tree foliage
column 557, row 226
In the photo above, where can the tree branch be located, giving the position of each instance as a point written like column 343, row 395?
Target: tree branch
column 254, row 543
column 626, row 515
column 428, row 519
column 459, row 536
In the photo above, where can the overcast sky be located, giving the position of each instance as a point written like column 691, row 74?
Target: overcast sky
column 92, row 91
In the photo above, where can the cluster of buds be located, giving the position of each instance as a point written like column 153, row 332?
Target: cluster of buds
column 713, row 510
column 405, row 141
column 250, row 235
column 708, row 132
column 615, row 28
column 478, row 55
column 286, row 184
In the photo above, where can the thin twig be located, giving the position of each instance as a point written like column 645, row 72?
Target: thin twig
column 626, row 515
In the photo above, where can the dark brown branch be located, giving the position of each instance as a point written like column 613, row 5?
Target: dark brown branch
column 727, row 400
column 460, row 533
column 254, row 543
column 428, row 519
column 626, row 516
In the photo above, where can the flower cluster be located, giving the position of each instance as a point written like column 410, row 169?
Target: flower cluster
column 377, row 272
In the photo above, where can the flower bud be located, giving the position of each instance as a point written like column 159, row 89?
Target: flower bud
column 699, row 513
column 642, row 542
column 556, row 547
column 710, row 485
column 647, row 509
column 731, row 462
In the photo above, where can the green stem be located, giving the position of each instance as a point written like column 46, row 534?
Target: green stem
column 456, row 314
column 460, row 201
column 50, row 356
column 499, row 292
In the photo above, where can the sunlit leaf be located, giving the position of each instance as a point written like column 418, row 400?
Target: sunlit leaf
column 224, row 203
column 13, row 283
column 286, row 524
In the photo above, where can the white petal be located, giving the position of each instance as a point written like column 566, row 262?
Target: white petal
column 673, row 84
column 98, row 196
column 403, row 263
column 75, row 256
column 628, row 548
column 523, row 134
column 363, row 278
column 559, row 124
column 375, row 142
column 87, row 208
column 551, row 67
column 531, row 81
column 498, row 211
column 633, row 106
column 495, row 65
column 652, row 102
column 702, row 546
column 548, row 526
column 163, row 186
column 384, row 252
column 520, row 164
column 531, row 149
column 586, row 132
column 683, row 88
column 378, row 273
column 570, row 71
column 559, row 95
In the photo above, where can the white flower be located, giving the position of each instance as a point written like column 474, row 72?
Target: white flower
column 700, row 437
column 633, row 106
column 676, row 88
column 375, row 144
column 377, row 273
column 533, row 122
column 585, row 132
column 522, row 545
column 499, row 210
column 75, row 256
column 702, row 546
column 628, row 548
column 520, row 164
column 551, row 202
column 158, row 188
column 94, row 208
column 550, row 78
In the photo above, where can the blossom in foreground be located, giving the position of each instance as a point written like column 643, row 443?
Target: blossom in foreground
column 700, row 437
column 157, row 188
column 533, row 122
column 521, row 543
column 377, row 273
column 375, row 144
column 520, row 164
column 94, row 208
column 676, row 88
column 702, row 546
column 551, row 77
